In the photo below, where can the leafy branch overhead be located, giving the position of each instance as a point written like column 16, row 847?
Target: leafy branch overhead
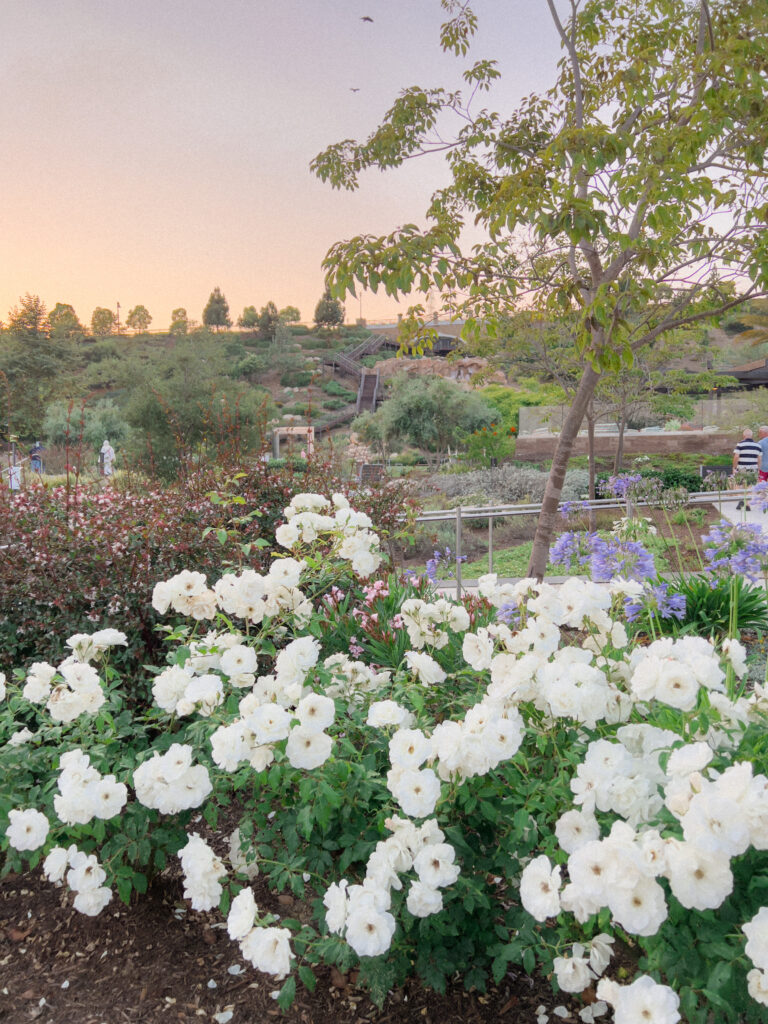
column 641, row 166
column 625, row 202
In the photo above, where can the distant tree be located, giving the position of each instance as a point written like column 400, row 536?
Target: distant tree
column 269, row 321
column 179, row 322
column 64, row 323
column 216, row 313
column 249, row 318
column 290, row 315
column 102, row 322
column 430, row 413
column 31, row 376
column 139, row 319
column 30, row 318
column 329, row 312
column 95, row 421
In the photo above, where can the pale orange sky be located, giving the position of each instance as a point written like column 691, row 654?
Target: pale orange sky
column 152, row 149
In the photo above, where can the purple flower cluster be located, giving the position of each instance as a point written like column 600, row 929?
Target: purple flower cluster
column 447, row 560
column 628, row 559
column 607, row 559
column 620, row 486
column 510, row 614
column 573, row 508
column 658, row 601
column 572, row 550
column 736, row 548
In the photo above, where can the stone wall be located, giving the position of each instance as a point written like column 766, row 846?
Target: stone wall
column 539, row 447
column 727, row 412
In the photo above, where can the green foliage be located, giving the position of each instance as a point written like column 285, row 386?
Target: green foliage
column 714, row 607
column 305, row 827
column 102, row 322
column 489, row 445
column 31, row 376
column 179, row 322
column 64, row 324
column 28, row 320
column 332, row 387
column 249, row 318
column 216, row 312
column 252, row 365
column 67, row 422
column 616, row 174
column 139, row 319
column 290, row 315
column 185, row 398
column 329, row 312
column 510, row 400
column 429, row 413
column 296, row 378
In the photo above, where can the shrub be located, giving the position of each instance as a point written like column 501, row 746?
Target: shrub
column 294, row 378
column 550, row 747
column 714, row 607
column 332, row 387
column 510, row 484
column 76, row 557
column 251, row 365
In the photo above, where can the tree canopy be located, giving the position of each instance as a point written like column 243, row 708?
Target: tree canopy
column 64, row 324
column 630, row 197
column 29, row 319
column 329, row 312
column 179, row 322
column 102, row 322
column 139, row 319
column 429, row 413
column 216, row 312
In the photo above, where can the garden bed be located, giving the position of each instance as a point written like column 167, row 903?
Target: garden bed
column 155, row 961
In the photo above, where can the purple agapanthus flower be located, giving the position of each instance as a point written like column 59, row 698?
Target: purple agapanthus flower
column 736, row 548
column 572, row 550
column 620, row 486
column 572, row 508
column 656, row 600
column 445, row 559
column 628, row 559
column 510, row 614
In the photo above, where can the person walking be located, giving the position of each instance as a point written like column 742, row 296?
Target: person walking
column 747, row 456
column 762, row 440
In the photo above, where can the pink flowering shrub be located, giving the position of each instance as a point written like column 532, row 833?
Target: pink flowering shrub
column 86, row 559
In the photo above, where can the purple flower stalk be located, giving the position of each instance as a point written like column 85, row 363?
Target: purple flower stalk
column 656, row 600
column 607, row 558
column 620, row 486
column 740, row 549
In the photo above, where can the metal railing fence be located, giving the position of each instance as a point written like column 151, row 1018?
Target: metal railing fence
column 461, row 513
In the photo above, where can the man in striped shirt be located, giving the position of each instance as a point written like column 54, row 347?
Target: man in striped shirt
column 746, row 456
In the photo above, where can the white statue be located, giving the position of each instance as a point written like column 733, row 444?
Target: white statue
column 107, row 458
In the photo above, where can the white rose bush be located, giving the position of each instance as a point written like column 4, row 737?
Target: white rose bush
column 455, row 789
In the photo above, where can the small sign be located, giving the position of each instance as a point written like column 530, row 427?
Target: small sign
column 371, row 472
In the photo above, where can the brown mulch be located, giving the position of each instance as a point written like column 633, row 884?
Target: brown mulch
column 159, row 961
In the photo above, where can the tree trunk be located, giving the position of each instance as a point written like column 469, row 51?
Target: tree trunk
column 548, row 516
column 590, row 415
column 619, row 458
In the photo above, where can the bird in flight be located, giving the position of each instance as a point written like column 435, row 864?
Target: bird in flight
column 366, row 18
column 352, row 89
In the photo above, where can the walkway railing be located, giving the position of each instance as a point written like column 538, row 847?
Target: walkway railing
column 460, row 513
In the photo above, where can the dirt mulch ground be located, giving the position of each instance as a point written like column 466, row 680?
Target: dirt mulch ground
column 158, row 961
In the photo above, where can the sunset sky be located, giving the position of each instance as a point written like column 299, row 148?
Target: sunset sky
column 152, row 149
